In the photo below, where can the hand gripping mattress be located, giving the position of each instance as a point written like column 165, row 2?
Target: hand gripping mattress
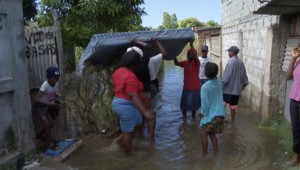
column 106, row 47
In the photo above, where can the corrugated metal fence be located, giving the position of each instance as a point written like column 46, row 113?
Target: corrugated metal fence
column 40, row 53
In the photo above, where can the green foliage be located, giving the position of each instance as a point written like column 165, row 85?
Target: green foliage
column 81, row 19
column 78, row 53
column 169, row 21
column 280, row 126
column 211, row 23
column 190, row 22
column 29, row 10
column 160, row 27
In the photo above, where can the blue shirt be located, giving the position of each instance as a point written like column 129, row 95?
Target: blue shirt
column 211, row 101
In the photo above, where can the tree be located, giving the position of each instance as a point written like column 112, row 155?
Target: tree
column 81, row 19
column 190, row 22
column 211, row 23
column 160, row 27
column 29, row 10
column 169, row 21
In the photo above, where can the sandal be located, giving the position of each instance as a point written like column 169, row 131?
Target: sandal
column 289, row 164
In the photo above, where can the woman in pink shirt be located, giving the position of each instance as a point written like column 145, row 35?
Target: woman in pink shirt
column 293, row 72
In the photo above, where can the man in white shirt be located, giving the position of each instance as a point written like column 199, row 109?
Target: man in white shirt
column 203, row 60
column 154, row 66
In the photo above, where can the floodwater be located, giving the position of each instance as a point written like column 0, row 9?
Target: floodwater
column 178, row 142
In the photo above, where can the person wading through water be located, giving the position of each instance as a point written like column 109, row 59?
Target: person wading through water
column 234, row 80
column 190, row 98
column 154, row 66
column 143, row 75
column 127, row 102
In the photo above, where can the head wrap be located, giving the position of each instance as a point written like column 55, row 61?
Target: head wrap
column 136, row 49
column 51, row 72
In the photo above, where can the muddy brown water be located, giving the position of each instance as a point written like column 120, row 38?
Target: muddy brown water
column 178, row 143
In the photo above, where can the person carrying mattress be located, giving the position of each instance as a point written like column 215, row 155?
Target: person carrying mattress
column 154, row 66
column 127, row 102
column 190, row 98
column 143, row 75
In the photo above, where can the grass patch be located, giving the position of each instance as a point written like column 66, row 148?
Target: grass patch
column 278, row 125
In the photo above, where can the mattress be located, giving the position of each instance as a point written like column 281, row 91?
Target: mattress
column 68, row 147
column 104, row 48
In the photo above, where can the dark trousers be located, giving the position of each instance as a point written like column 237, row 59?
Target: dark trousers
column 295, row 120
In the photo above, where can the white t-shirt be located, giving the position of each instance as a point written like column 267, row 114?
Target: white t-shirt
column 154, row 65
column 48, row 91
column 203, row 62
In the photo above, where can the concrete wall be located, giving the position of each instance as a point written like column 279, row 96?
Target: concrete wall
column 260, row 39
column 16, row 128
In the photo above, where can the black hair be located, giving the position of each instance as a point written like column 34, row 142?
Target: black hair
column 211, row 70
column 131, row 59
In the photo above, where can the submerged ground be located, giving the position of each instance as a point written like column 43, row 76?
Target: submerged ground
column 178, row 143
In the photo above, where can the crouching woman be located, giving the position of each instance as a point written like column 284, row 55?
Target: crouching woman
column 127, row 99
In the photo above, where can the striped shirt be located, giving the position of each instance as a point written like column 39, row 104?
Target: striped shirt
column 234, row 78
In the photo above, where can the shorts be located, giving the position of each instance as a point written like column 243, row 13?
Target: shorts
column 190, row 100
column 203, row 81
column 216, row 125
column 147, row 100
column 42, row 111
column 129, row 115
column 154, row 102
column 233, row 100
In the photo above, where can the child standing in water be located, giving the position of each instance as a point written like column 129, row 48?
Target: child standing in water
column 213, row 111
column 190, row 98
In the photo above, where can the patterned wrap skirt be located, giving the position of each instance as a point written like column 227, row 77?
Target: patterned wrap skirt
column 216, row 125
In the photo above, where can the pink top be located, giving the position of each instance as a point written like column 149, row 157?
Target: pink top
column 295, row 91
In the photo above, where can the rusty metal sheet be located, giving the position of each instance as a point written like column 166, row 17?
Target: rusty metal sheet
column 40, row 53
column 292, row 42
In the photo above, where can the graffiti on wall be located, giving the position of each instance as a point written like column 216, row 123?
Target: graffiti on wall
column 40, row 52
column 40, row 43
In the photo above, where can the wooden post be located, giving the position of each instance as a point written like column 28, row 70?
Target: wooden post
column 61, row 66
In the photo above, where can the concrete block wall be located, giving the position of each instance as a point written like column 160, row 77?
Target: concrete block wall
column 253, row 34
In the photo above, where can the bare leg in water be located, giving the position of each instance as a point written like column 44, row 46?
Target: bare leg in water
column 184, row 113
column 232, row 114
column 204, row 140
column 125, row 142
column 151, row 128
column 193, row 114
column 120, row 140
